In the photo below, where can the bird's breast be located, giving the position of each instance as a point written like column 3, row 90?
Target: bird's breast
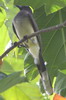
column 23, row 27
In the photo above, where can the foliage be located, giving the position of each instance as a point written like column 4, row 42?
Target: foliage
column 53, row 47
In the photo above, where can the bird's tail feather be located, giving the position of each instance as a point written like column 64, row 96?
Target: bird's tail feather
column 46, row 83
column 44, row 76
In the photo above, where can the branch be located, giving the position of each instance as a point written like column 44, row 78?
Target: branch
column 32, row 35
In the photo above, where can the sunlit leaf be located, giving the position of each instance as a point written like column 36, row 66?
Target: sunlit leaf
column 60, row 85
column 2, row 16
column 11, row 80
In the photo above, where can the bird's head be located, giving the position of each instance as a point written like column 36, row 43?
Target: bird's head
column 27, row 8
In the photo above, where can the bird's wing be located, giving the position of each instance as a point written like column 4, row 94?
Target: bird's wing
column 35, row 27
column 21, row 45
column 14, row 30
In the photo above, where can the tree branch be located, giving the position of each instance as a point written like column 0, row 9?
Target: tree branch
column 32, row 35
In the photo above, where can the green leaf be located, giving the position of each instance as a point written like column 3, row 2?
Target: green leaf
column 3, row 31
column 4, row 36
column 30, row 69
column 38, row 3
column 25, row 91
column 32, row 91
column 1, row 98
column 2, row 16
column 11, row 80
column 11, row 12
column 50, row 5
column 2, row 3
column 11, row 64
column 54, row 5
column 60, row 84
column 54, row 50
column 2, row 75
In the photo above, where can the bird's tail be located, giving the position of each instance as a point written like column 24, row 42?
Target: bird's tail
column 46, row 83
column 44, row 76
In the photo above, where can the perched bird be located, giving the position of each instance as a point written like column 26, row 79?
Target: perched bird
column 24, row 24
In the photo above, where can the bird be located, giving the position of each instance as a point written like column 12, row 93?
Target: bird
column 24, row 24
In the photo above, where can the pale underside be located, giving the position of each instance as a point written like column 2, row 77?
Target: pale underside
column 23, row 28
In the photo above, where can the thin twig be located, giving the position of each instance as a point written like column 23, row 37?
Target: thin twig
column 32, row 35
